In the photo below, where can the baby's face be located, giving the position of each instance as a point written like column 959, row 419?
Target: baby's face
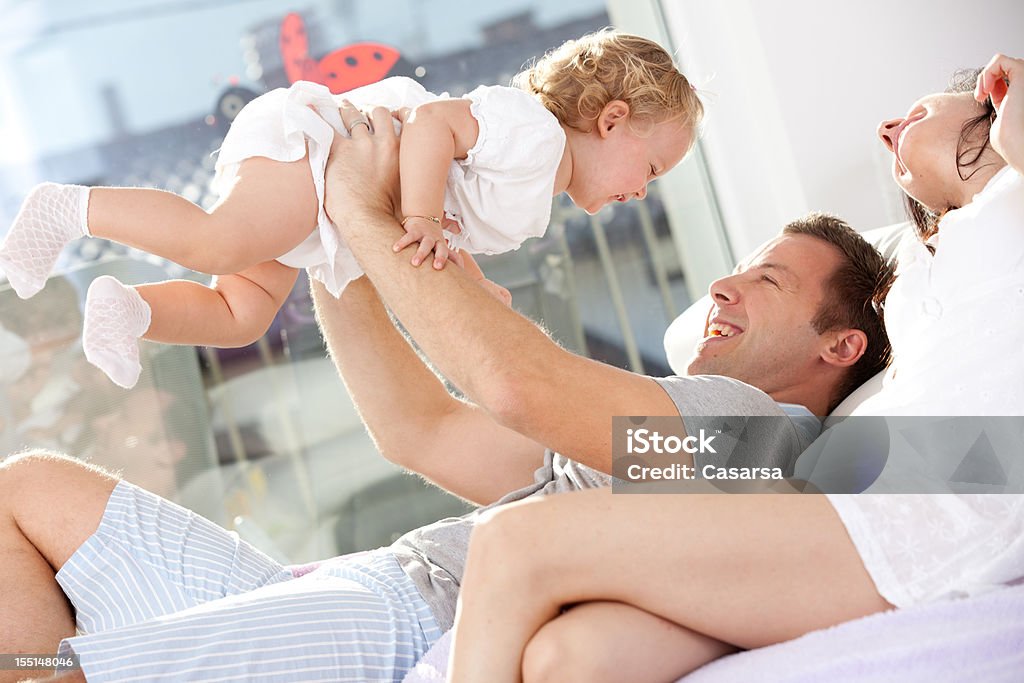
column 614, row 164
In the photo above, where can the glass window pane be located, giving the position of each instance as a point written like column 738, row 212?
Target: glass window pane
column 264, row 438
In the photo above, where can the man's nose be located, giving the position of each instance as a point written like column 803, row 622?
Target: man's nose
column 642, row 194
column 887, row 131
column 723, row 291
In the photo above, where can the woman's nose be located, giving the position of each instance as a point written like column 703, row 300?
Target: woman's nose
column 887, row 131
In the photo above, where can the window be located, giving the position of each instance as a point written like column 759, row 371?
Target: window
column 265, row 438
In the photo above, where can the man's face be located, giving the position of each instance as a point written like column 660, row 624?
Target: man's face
column 759, row 328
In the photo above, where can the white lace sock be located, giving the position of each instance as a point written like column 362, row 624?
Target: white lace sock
column 116, row 317
column 51, row 216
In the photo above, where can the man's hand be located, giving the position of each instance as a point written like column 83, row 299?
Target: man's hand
column 362, row 171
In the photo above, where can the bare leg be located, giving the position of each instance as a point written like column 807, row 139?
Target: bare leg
column 49, row 506
column 271, row 209
column 235, row 311
column 745, row 570
column 606, row 642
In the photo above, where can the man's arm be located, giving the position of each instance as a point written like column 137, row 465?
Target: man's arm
column 407, row 409
column 499, row 359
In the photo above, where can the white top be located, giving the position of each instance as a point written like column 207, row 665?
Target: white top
column 956, row 322
column 955, row 318
column 500, row 194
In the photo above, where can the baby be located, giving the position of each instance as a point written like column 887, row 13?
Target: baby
column 597, row 118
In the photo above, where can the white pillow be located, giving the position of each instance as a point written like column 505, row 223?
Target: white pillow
column 687, row 329
column 684, row 333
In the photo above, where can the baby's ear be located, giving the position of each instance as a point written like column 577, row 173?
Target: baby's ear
column 613, row 114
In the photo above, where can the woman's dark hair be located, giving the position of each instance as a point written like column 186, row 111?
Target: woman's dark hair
column 974, row 140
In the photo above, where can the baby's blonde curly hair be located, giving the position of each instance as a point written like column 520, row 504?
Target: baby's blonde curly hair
column 576, row 80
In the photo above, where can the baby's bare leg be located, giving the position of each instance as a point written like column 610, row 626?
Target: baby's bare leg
column 271, row 209
column 235, row 310
column 612, row 641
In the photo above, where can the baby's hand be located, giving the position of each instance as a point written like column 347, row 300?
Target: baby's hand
column 429, row 233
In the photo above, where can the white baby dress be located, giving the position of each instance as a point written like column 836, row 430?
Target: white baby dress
column 500, row 193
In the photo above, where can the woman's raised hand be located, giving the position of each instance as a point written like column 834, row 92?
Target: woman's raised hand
column 1003, row 80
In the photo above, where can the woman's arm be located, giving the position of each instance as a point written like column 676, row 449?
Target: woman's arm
column 1003, row 81
column 433, row 134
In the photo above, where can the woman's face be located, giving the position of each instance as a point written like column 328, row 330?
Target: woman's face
column 924, row 149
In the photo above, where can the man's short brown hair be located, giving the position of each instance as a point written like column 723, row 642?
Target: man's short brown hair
column 854, row 294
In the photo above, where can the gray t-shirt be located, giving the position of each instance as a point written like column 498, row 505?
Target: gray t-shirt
column 434, row 556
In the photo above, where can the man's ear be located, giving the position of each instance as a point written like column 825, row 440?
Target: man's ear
column 845, row 347
column 615, row 113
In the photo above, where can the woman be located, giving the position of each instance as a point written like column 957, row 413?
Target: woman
column 660, row 585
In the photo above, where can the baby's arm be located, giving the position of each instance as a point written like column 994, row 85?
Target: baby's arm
column 434, row 134
column 613, row 641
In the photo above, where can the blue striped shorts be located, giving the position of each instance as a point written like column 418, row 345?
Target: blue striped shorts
column 162, row 593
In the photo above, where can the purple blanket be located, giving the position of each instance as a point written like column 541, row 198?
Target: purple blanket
column 980, row 639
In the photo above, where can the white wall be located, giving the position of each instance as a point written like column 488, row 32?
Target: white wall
column 797, row 88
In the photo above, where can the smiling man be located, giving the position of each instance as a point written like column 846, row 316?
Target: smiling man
column 793, row 320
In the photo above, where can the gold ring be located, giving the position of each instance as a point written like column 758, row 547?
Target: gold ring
column 362, row 122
